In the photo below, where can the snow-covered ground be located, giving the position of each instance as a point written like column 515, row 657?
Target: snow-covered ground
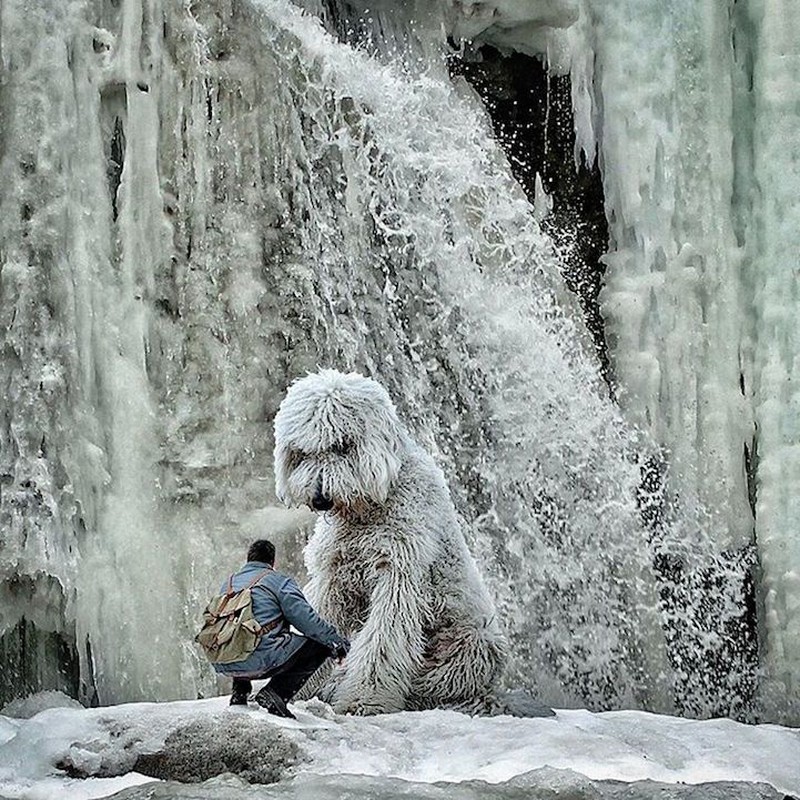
column 421, row 747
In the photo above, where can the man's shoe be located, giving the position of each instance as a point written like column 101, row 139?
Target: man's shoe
column 270, row 700
column 239, row 698
column 240, row 691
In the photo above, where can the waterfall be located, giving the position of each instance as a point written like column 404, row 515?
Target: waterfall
column 203, row 201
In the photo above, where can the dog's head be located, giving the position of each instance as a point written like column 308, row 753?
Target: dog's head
column 337, row 441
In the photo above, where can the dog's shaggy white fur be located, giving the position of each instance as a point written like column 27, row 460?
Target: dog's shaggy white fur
column 388, row 563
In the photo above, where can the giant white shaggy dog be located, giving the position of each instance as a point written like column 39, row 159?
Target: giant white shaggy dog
column 388, row 563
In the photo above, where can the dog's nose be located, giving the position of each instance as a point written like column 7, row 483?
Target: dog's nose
column 320, row 502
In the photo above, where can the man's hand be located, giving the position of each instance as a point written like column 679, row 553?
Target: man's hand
column 340, row 649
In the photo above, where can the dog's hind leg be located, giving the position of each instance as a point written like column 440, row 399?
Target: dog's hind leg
column 460, row 668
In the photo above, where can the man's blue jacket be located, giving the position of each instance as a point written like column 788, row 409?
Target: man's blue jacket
column 277, row 596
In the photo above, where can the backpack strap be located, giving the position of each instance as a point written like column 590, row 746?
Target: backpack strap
column 257, row 578
column 273, row 623
column 230, row 592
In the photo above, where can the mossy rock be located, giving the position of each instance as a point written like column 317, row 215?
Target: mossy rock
column 203, row 749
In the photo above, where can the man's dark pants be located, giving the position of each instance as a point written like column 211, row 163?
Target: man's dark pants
column 287, row 679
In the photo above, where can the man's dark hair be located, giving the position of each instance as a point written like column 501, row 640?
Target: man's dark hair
column 262, row 550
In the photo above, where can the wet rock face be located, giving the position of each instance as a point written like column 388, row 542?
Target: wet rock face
column 37, row 649
column 33, row 657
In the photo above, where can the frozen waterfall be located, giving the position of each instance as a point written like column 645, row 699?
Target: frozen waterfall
column 201, row 201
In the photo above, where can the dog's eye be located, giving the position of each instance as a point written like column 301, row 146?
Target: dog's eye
column 341, row 448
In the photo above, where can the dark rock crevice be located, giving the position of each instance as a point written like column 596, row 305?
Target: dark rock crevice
column 113, row 114
column 531, row 111
column 36, row 660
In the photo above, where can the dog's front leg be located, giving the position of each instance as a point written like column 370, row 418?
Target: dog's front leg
column 387, row 652
column 332, row 602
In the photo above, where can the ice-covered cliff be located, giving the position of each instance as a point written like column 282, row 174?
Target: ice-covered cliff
column 691, row 110
column 200, row 201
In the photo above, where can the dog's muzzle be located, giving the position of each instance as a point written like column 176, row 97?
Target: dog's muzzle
column 319, row 502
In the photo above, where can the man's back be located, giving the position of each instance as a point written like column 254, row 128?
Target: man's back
column 288, row 659
column 277, row 597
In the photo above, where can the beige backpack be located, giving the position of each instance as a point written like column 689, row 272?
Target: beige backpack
column 230, row 632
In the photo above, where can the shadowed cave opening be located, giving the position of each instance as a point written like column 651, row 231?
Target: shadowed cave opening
column 36, row 660
column 531, row 112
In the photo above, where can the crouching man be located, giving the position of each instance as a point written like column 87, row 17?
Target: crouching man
column 288, row 659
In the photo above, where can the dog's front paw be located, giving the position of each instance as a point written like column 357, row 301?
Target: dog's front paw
column 332, row 685
column 359, row 708
column 327, row 692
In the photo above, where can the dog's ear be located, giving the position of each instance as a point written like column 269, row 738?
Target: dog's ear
column 378, row 473
column 380, row 456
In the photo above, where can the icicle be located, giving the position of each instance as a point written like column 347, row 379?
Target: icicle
column 543, row 202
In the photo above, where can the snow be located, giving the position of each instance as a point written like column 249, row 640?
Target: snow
column 425, row 747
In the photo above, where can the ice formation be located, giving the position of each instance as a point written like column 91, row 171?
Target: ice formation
column 691, row 109
column 202, row 201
